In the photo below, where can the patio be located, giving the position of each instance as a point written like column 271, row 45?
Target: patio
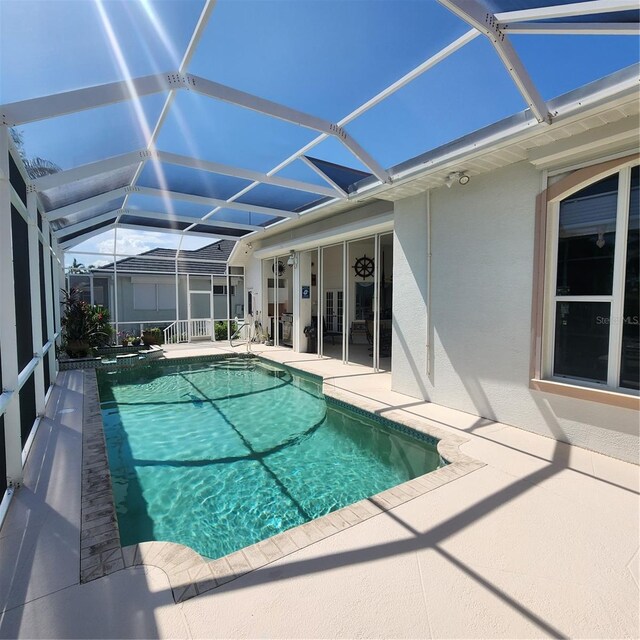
column 539, row 542
column 440, row 198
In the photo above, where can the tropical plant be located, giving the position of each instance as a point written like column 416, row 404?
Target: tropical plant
column 85, row 326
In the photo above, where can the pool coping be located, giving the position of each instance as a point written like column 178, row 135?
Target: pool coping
column 189, row 573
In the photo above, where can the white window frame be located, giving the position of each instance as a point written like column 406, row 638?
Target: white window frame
column 616, row 299
column 156, row 294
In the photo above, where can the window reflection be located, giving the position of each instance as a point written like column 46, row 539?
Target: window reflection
column 582, row 340
column 586, row 240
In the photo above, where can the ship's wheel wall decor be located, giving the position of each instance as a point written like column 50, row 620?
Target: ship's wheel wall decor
column 364, row 267
column 280, row 268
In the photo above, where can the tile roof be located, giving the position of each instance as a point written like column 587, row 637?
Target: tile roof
column 188, row 262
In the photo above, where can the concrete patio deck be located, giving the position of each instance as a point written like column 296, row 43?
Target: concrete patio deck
column 542, row 541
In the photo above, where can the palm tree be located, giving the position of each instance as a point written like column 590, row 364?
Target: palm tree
column 36, row 167
column 77, row 267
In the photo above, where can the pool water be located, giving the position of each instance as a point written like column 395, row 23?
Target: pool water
column 220, row 455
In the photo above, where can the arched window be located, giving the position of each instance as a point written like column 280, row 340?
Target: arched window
column 593, row 324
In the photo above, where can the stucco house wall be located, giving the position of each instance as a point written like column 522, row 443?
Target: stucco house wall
column 482, row 246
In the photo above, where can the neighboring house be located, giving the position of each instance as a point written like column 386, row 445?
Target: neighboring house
column 146, row 290
column 507, row 262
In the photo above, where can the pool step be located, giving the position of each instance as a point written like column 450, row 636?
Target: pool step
column 235, row 364
column 274, row 371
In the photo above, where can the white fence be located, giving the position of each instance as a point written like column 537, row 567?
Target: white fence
column 177, row 332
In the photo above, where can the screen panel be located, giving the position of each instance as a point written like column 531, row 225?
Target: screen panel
column 22, row 289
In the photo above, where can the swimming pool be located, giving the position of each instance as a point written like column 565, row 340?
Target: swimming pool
column 220, row 455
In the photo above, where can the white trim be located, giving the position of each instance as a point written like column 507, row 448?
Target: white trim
column 381, row 223
column 88, row 170
column 615, row 299
column 213, row 238
column 596, row 141
column 143, row 256
column 589, row 163
column 337, row 189
column 36, row 306
column 618, row 284
column 237, row 172
column 228, row 94
column 30, row 438
column 49, row 299
column 60, row 104
column 154, row 215
column 209, row 222
column 567, row 10
column 376, row 302
column 223, row 204
column 8, row 338
column 5, row 399
column 345, row 302
column 85, row 224
column 135, row 157
column 24, row 375
column 573, row 28
column 321, row 302
column 16, row 201
column 49, row 392
column 586, row 298
column 4, row 504
column 81, row 205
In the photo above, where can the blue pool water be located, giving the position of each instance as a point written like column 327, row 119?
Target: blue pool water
column 220, row 455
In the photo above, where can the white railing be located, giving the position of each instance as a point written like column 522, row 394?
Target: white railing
column 199, row 329
column 177, row 332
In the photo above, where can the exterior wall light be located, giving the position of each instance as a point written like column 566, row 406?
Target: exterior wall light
column 292, row 259
column 460, row 176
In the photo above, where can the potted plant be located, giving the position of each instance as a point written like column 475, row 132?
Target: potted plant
column 152, row 336
column 137, row 341
column 85, row 326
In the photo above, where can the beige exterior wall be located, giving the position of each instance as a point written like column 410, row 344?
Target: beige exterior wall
column 482, row 244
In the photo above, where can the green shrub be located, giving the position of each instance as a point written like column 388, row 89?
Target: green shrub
column 220, row 329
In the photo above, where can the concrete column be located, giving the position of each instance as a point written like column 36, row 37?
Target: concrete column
column 410, row 284
column 304, row 304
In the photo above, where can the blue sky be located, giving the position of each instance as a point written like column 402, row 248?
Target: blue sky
column 322, row 57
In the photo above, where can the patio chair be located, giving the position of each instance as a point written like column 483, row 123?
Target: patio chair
column 326, row 333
